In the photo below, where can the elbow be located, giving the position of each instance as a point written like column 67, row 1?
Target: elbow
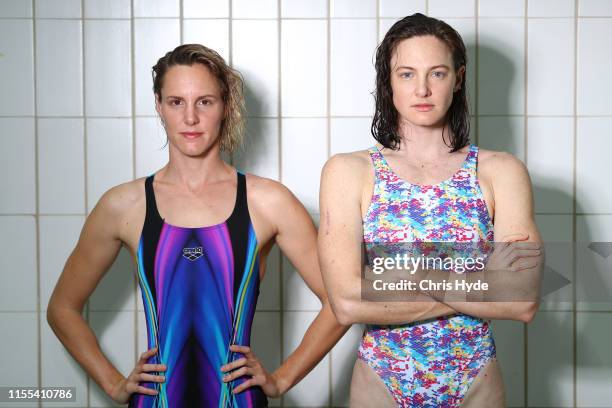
column 528, row 312
column 344, row 311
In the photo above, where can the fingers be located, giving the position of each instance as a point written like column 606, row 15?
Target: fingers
column 234, row 364
column 240, row 349
column 237, row 373
column 132, row 388
column 144, row 356
column 153, row 367
column 248, row 383
column 524, row 263
column 519, row 236
column 144, row 377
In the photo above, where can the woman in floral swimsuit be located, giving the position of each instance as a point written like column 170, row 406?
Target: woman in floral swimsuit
column 423, row 182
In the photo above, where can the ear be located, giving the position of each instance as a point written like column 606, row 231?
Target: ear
column 459, row 78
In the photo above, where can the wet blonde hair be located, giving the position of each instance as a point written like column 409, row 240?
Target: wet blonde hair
column 230, row 82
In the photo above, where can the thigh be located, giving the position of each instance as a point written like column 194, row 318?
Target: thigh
column 487, row 389
column 368, row 389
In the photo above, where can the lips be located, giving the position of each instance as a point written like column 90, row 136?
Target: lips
column 191, row 135
column 423, row 107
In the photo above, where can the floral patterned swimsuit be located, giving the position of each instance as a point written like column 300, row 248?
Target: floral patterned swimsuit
column 430, row 363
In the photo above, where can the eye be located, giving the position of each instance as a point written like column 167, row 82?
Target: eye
column 205, row 102
column 174, row 102
column 406, row 75
column 438, row 74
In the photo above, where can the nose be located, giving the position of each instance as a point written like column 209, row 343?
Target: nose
column 191, row 117
column 422, row 89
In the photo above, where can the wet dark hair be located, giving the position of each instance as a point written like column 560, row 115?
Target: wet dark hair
column 385, row 122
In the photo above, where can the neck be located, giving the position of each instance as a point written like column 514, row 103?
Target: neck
column 423, row 142
column 195, row 171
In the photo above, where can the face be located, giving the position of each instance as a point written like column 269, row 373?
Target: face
column 423, row 80
column 192, row 108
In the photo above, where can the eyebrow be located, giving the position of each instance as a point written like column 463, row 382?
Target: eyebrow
column 434, row 67
column 199, row 97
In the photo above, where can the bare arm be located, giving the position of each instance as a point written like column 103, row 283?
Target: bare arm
column 297, row 238
column 93, row 255
column 513, row 216
column 340, row 239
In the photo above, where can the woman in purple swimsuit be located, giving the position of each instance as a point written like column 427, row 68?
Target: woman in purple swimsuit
column 422, row 183
column 199, row 232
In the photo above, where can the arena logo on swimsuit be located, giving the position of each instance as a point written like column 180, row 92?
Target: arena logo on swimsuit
column 192, row 253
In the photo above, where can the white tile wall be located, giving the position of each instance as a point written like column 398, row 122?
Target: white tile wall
column 18, row 264
column 551, row 175
column 258, row 65
column 594, row 362
column 108, row 79
column 59, row 68
column 252, row 9
column 15, row 8
column 451, row 8
column 501, row 66
column 153, row 38
column 594, row 55
column 17, row 67
column 115, row 333
column 289, row 136
column 550, row 363
column 550, row 77
column 109, row 156
column 58, row 9
column 205, row 8
column 19, row 349
column 302, row 395
column 304, row 153
column 156, row 8
column 501, row 8
column 211, row 33
column 592, row 166
column 59, row 369
column 61, row 165
column 593, row 277
column 17, row 166
column 151, row 155
column 352, row 69
column 304, row 67
column 509, row 343
column 506, row 133
column 302, row 9
column 551, row 8
column 594, row 8
column 58, row 237
column 353, row 8
column 401, row 8
column 107, row 8
column 259, row 154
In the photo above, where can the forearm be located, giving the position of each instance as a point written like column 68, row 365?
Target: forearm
column 80, row 341
column 361, row 303
column 322, row 334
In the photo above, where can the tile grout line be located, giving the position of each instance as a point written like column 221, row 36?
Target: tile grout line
column 36, row 204
column 279, row 125
column 181, row 18
column 85, row 184
column 574, row 217
column 328, row 147
column 133, row 132
column 526, row 154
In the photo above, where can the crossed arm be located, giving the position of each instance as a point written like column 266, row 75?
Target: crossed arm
column 340, row 239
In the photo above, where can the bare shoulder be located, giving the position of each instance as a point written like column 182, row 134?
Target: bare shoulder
column 123, row 197
column 263, row 191
column 494, row 165
column 354, row 164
